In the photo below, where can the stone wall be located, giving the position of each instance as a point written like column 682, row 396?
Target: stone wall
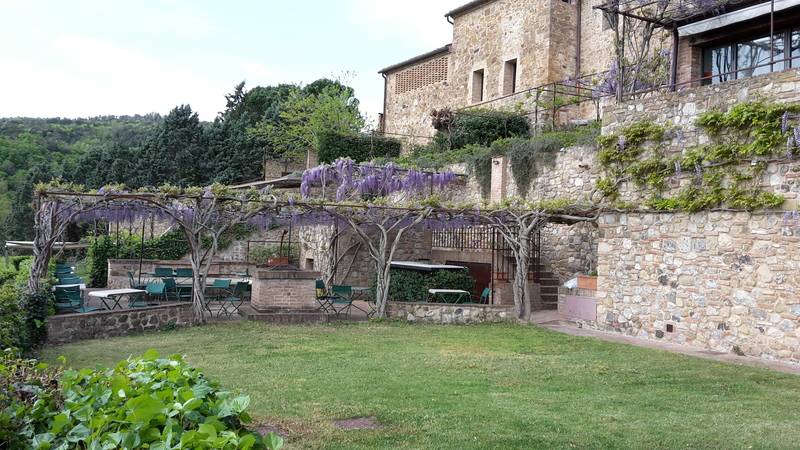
column 62, row 329
column 118, row 269
column 678, row 111
column 719, row 280
column 437, row 313
column 237, row 250
column 355, row 266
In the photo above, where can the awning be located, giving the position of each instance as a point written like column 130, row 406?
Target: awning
column 732, row 18
column 28, row 245
column 423, row 267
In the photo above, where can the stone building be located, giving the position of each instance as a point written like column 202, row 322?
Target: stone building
column 501, row 51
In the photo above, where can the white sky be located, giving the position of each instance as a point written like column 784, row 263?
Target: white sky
column 93, row 57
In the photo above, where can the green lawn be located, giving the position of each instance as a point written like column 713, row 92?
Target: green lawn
column 501, row 386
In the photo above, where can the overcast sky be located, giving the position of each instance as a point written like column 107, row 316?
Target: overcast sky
column 83, row 58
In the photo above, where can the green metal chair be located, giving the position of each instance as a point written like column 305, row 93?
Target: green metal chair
column 164, row 272
column 70, row 280
column 154, row 290
column 485, row 295
column 134, row 284
column 341, row 300
column 230, row 304
column 70, row 300
column 217, row 292
column 171, row 289
column 323, row 299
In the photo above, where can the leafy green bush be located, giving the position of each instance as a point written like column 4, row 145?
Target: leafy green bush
column 413, row 286
column 147, row 402
column 481, row 127
column 12, row 318
column 169, row 246
column 359, row 148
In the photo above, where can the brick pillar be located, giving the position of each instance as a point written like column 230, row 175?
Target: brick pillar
column 292, row 290
column 498, row 190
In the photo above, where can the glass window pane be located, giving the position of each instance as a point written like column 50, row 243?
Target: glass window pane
column 752, row 54
column 796, row 48
column 717, row 62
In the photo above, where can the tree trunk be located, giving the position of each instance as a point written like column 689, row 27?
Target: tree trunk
column 198, row 282
column 522, row 301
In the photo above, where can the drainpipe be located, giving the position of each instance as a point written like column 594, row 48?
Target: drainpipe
column 578, row 31
column 385, row 90
column 673, row 75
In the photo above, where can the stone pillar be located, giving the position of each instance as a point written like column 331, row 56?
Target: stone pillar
column 284, row 290
column 498, row 189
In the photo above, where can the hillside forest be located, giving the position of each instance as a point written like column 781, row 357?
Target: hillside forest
column 278, row 123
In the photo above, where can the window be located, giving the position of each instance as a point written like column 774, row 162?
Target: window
column 510, row 77
column 477, row 86
column 750, row 57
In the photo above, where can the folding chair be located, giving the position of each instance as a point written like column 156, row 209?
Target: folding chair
column 219, row 290
column 484, row 298
column 154, row 289
column 323, row 299
column 341, row 300
column 70, row 280
column 231, row 303
column 70, row 300
column 164, row 272
column 134, row 284
column 171, row 289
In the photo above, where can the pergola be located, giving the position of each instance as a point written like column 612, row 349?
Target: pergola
column 672, row 15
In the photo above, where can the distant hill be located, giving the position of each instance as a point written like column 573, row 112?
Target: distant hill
column 32, row 148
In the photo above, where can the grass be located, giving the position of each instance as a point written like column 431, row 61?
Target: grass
column 499, row 386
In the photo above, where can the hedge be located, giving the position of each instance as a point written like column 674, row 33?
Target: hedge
column 412, row 286
column 169, row 246
column 359, row 148
column 481, row 127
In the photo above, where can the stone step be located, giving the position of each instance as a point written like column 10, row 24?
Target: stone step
column 549, row 282
column 277, row 316
column 551, row 290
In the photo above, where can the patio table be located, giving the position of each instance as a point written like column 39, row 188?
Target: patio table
column 115, row 296
column 458, row 295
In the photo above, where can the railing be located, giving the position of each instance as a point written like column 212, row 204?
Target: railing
column 487, row 238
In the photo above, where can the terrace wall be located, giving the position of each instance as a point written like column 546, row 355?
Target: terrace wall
column 723, row 281
column 118, row 269
column 437, row 313
column 66, row 328
column 720, row 280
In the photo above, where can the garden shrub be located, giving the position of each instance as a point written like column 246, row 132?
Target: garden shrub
column 412, row 285
column 169, row 246
column 147, row 402
column 481, row 127
column 359, row 147
column 12, row 318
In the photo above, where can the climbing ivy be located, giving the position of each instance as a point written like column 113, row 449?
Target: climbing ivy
column 748, row 134
column 525, row 156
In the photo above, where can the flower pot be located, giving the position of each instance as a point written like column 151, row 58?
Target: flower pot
column 278, row 261
column 587, row 282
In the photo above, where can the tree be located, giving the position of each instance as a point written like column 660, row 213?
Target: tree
column 517, row 228
column 177, row 153
column 323, row 106
column 20, row 223
column 379, row 228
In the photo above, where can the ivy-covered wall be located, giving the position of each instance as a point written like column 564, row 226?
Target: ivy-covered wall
column 723, row 146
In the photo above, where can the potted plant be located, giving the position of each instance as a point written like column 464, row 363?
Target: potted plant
column 268, row 256
column 588, row 282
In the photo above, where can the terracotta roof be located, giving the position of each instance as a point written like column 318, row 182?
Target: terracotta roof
column 422, row 57
column 467, row 8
